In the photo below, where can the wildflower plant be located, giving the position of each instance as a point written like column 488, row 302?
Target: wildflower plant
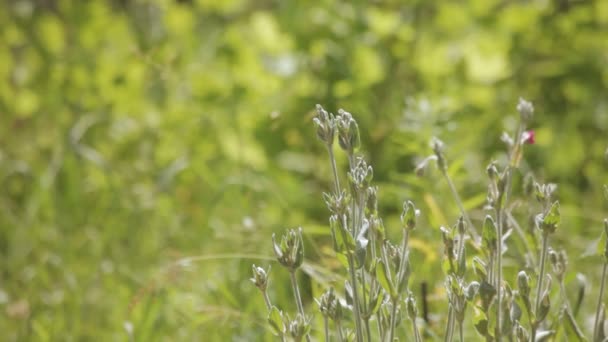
column 375, row 296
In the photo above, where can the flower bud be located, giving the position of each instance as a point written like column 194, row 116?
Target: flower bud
column 409, row 215
column 348, row 131
column 290, row 252
column 260, row 277
column 438, row 147
column 326, row 127
column 523, row 284
column 525, row 109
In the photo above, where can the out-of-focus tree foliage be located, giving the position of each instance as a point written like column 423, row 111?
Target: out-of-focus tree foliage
column 135, row 133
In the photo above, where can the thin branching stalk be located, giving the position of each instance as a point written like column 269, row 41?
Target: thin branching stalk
column 267, row 300
column 296, row 293
column 326, row 328
column 393, row 321
column 334, row 169
column 499, row 275
column 351, row 262
column 460, row 205
column 596, row 326
column 522, row 236
column 541, row 277
column 500, row 215
column 416, row 331
column 353, row 279
column 460, row 330
column 449, row 328
column 339, row 328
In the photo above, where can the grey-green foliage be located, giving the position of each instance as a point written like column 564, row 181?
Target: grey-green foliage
column 378, row 271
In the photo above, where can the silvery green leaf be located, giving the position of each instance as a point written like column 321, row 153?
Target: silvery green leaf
column 552, row 219
column 382, row 274
column 489, row 233
column 275, row 319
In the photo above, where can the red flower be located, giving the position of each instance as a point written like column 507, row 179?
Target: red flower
column 528, row 137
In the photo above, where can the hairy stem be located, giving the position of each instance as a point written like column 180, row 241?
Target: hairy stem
column 417, row 336
column 460, row 205
column 339, row 328
column 449, row 328
column 460, row 331
column 334, row 169
column 596, row 326
column 541, row 277
column 393, row 321
column 296, row 293
column 353, row 279
column 267, row 300
column 326, row 328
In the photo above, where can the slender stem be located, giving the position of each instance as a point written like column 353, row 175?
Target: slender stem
column 353, row 279
column 541, row 277
column 596, row 326
column 499, row 275
column 402, row 263
column 522, row 236
column 449, row 326
column 351, row 262
column 334, row 169
column 339, row 328
column 416, row 331
column 500, row 208
column 367, row 329
column 267, row 300
column 460, row 331
column 326, row 326
column 296, row 293
column 393, row 321
column 460, row 205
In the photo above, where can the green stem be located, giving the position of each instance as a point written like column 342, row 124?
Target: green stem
column 541, row 277
column 339, row 328
column 267, row 300
column 334, row 169
column 393, row 321
column 353, row 279
column 460, row 331
column 460, row 205
column 449, row 326
column 416, row 331
column 368, row 330
column 296, row 293
column 499, row 276
column 596, row 326
column 326, row 326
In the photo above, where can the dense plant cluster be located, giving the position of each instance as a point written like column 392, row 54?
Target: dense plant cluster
column 376, row 297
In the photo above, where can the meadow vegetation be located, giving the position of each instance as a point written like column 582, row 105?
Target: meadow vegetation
column 149, row 150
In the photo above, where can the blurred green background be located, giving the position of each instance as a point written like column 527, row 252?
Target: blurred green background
column 134, row 134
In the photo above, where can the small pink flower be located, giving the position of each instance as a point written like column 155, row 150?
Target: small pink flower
column 528, row 137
